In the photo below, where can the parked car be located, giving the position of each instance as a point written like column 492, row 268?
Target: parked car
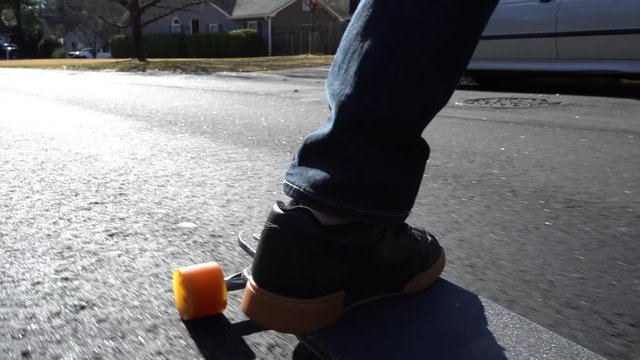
column 87, row 53
column 9, row 51
column 570, row 36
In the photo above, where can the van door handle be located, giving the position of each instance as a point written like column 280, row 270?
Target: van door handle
column 545, row 1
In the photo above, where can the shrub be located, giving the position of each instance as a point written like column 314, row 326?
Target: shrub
column 207, row 45
column 237, row 43
column 59, row 53
column 122, row 46
column 165, row 46
column 47, row 46
column 245, row 42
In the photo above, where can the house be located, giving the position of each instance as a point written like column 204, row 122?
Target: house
column 5, row 34
column 75, row 40
column 285, row 26
column 202, row 18
column 81, row 37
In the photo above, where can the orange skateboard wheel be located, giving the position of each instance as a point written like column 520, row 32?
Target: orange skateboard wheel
column 199, row 290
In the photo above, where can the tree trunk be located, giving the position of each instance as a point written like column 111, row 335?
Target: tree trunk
column 19, row 29
column 94, row 44
column 136, row 28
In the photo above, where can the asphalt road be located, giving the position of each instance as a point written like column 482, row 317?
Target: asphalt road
column 108, row 181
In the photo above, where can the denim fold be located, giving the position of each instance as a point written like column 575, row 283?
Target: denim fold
column 398, row 63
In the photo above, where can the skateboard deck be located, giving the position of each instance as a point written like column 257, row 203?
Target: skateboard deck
column 443, row 322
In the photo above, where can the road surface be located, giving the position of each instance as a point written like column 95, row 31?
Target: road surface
column 108, row 181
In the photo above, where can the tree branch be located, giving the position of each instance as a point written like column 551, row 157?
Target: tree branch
column 111, row 23
column 149, row 5
column 124, row 3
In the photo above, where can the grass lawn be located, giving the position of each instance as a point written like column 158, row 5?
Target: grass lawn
column 176, row 65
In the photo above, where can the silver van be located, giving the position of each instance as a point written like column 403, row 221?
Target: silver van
column 569, row 36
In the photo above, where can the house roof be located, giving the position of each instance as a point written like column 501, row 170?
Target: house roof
column 259, row 8
column 251, row 8
column 339, row 7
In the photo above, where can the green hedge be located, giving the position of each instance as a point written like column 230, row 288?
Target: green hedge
column 244, row 43
column 47, row 47
column 237, row 43
column 122, row 46
column 208, row 45
column 59, row 53
column 165, row 46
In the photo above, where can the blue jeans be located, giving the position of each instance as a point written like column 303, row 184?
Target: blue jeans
column 397, row 65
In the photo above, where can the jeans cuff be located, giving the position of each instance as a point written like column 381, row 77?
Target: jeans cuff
column 370, row 216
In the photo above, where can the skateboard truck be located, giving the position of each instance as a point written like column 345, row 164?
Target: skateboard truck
column 237, row 281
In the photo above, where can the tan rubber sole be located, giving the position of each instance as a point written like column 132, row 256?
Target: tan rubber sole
column 425, row 279
column 303, row 316
column 290, row 315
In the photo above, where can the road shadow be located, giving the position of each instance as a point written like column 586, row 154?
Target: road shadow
column 445, row 322
column 601, row 86
column 217, row 338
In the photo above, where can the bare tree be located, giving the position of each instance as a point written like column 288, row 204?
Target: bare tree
column 84, row 17
column 139, row 13
column 313, row 5
column 17, row 8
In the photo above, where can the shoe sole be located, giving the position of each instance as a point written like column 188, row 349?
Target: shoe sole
column 303, row 316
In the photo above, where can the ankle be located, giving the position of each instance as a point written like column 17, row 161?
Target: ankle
column 322, row 217
column 327, row 219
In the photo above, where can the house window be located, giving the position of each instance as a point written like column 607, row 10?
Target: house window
column 252, row 25
column 176, row 27
column 308, row 5
column 195, row 26
column 214, row 28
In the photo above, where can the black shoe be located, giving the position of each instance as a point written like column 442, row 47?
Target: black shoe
column 305, row 274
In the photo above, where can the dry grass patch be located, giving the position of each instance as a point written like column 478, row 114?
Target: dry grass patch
column 55, row 63
column 177, row 65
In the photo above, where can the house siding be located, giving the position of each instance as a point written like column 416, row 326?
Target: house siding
column 292, row 31
column 74, row 41
column 5, row 38
column 290, row 27
column 5, row 34
column 204, row 13
column 263, row 28
column 81, row 38
column 293, row 15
